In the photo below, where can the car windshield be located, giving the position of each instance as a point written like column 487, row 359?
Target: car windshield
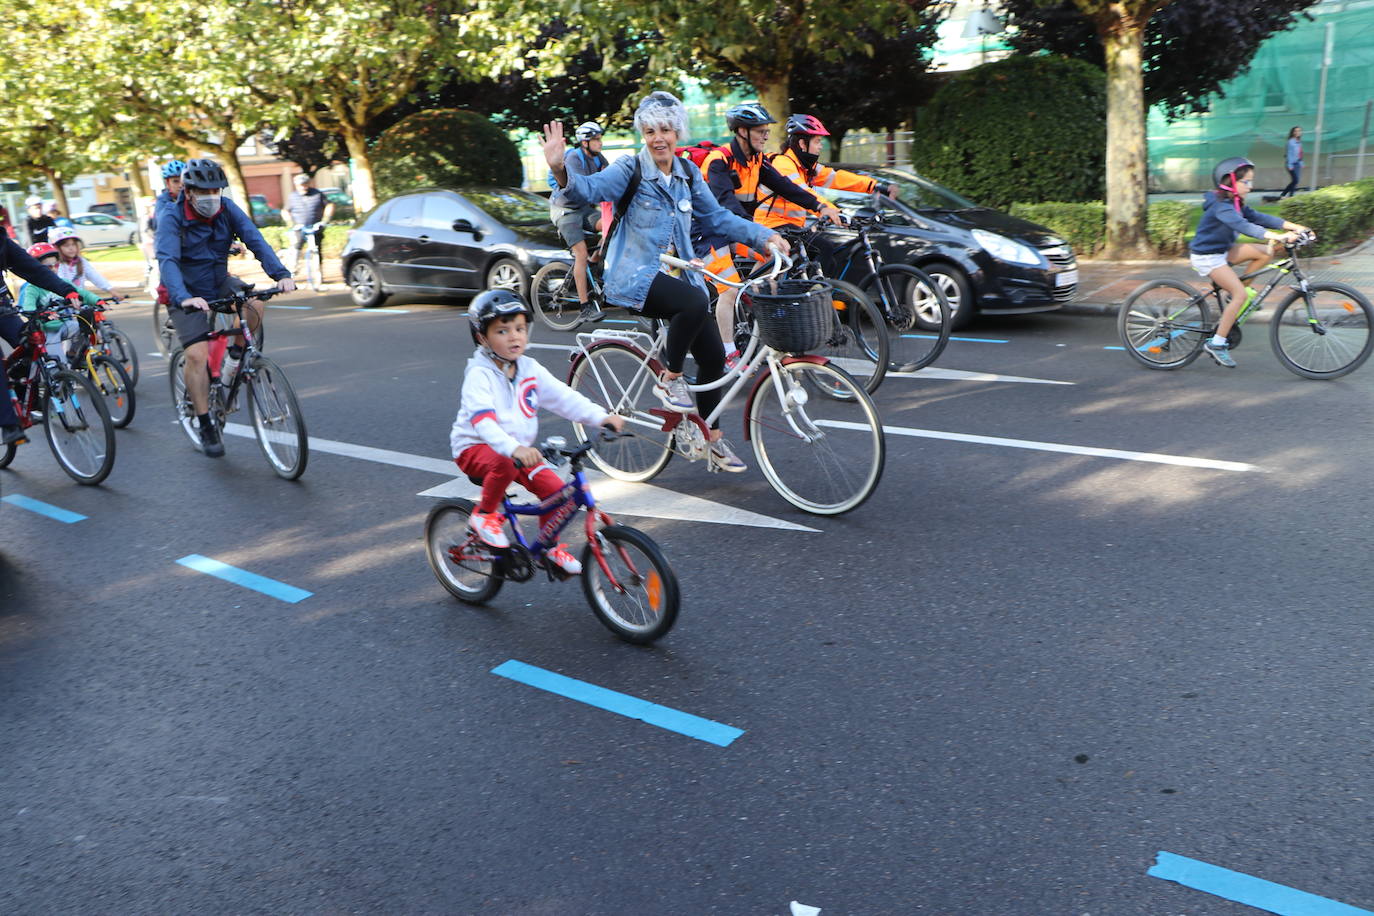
column 511, row 206
column 920, row 194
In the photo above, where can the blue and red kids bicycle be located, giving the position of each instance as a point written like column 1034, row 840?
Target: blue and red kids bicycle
column 627, row 580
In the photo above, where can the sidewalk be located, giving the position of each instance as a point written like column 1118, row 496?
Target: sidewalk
column 1102, row 285
column 128, row 275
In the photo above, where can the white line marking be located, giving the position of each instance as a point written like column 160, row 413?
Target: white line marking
column 1180, row 460
column 616, row 496
column 858, row 365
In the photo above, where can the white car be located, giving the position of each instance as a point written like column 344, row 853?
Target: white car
column 98, row 229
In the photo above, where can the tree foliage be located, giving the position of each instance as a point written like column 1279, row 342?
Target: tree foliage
column 1191, row 47
column 1019, row 129
column 444, row 148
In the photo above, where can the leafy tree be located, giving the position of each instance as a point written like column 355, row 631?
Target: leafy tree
column 444, row 147
column 1023, row 129
column 308, row 148
column 878, row 91
column 1191, row 47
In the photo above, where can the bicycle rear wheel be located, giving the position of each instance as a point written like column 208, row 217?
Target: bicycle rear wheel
column 638, row 601
column 822, row 455
column 1324, row 334
column 181, row 401
column 114, row 386
column 859, row 344
column 1164, row 323
column 277, row 419
column 462, row 564
column 163, row 332
column 79, row 430
column 613, row 374
column 916, row 312
column 554, row 295
column 118, row 346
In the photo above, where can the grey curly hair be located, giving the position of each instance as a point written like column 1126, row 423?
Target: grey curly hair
column 663, row 110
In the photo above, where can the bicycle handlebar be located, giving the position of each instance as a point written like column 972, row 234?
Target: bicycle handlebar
column 230, row 303
column 781, row 264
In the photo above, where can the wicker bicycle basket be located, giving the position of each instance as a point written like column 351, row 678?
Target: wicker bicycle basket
column 794, row 316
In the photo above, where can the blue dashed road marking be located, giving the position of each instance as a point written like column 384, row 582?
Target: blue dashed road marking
column 271, row 587
column 1251, row 891
column 42, row 508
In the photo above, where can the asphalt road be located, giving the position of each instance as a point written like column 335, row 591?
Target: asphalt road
column 1000, row 687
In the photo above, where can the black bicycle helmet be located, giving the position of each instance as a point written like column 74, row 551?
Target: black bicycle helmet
column 1224, row 175
column 748, row 114
column 487, row 306
column 205, row 174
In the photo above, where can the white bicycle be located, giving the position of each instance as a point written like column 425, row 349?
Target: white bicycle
column 814, row 430
column 314, row 269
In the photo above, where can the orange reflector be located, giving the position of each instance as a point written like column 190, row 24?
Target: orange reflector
column 1156, row 349
column 1348, row 306
column 839, row 306
column 654, row 587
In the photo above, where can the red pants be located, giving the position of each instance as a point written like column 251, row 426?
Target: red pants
column 497, row 472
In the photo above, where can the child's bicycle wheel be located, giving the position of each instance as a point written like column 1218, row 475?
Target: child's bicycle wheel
column 461, row 563
column 1164, row 323
column 638, row 601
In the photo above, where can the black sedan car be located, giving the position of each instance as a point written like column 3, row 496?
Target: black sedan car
column 985, row 261
column 450, row 241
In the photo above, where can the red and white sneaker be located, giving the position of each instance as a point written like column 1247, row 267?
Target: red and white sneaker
column 732, row 359
column 564, row 560
column 490, row 528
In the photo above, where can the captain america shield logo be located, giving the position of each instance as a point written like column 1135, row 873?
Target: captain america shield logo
column 528, row 396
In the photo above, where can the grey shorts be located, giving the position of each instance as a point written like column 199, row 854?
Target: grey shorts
column 576, row 225
column 195, row 325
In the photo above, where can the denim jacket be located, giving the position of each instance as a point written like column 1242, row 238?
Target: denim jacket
column 658, row 218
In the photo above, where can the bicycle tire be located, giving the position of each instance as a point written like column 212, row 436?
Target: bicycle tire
column 181, row 401
column 7, row 454
column 446, row 528
column 80, row 433
column 555, row 297
column 916, row 312
column 314, row 270
column 611, row 374
column 164, row 333
column 114, row 386
column 646, row 606
column 796, row 446
column 860, row 342
column 118, row 346
column 1345, row 338
column 1164, row 323
column 277, row 419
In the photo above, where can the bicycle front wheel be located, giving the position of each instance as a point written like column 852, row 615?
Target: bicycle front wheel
column 1324, row 333
column 118, row 346
column 79, row 430
column 314, row 276
column 1164, row 323
column 115, row 388
column 613, row 374
column 554, row 295
column 462, row 564
column 636, row 594
column 277, row 419
column 916, row 312
column 823, row 455
column 859, row 343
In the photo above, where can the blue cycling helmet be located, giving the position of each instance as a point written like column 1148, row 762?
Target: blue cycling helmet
column 173, row 169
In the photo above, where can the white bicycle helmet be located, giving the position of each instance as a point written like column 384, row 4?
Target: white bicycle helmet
column 588, row 130
column 62, row 233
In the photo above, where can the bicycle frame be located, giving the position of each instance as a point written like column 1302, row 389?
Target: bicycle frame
column 577, row 494
column 33, row 350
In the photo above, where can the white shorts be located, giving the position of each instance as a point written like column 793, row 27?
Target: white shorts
column 1204, row 264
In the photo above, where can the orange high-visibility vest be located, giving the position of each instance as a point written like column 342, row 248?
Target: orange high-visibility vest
column 747, row 173
column 777, row 210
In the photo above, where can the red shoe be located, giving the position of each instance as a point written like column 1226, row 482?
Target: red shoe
column 564, row 560
column 490, row 528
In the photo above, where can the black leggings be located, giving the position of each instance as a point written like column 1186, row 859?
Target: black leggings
column 690, row 326
column 11, row 331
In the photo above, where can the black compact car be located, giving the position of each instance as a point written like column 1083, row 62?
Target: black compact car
column 985, row 261
column 450, row 241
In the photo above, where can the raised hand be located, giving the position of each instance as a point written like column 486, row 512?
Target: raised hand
column 554, row 147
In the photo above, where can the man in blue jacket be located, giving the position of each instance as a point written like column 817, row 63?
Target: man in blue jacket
column 193, row 242
column 14, row 258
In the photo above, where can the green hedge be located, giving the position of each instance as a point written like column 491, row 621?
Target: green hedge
column 1019, row 129
column 1340, row 214
column 443, row 147
column 335, row 235
column 1084, row 225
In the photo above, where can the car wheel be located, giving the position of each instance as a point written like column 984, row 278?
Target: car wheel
column 365, row 285
column 507, row 273
column 133, row 238
column 957, row 291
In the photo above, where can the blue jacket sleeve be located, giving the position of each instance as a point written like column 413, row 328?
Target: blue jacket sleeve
column 248, row 233
column 168, row 250
column 1267, row 220
column 1247, row 221
column 26, row 266
column 607, row 184
column 718, row 222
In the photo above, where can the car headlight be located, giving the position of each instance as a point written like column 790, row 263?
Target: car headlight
column 1004, row 249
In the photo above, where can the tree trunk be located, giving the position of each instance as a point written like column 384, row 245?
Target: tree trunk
column 233, row 170
column 59, row 191
column 776, row 96
column 836, row 140
column 1127, row 150
column 364, row 189
column 138, row 175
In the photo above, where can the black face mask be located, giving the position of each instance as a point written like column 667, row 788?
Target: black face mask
column 808, row 160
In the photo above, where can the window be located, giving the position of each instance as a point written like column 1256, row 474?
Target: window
column 405, row 211
column 441, row 210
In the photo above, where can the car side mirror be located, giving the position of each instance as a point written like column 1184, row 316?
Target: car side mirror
column 462, row 225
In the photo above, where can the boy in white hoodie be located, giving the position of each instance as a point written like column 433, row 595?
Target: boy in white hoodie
column 494, row 433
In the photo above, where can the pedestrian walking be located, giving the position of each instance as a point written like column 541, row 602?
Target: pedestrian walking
column 1292, row 160
column 38, row 222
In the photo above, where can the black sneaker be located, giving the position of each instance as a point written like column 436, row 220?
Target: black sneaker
column 210, row 442
column 12, row 435
column 591, row 312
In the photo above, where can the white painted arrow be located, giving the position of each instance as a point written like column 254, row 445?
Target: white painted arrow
column 801, row 909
